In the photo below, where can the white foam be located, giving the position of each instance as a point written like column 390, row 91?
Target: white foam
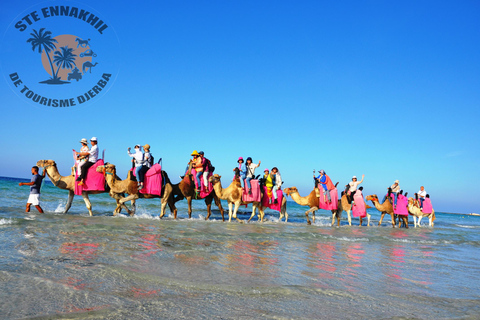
column 5, row 221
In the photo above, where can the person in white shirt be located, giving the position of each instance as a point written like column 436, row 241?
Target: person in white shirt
column 92, row 158
column 139, row 159
column 352, row 188
column 251, row 172
column 421, row 195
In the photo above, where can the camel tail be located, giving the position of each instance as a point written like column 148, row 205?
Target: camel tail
column 165, row 176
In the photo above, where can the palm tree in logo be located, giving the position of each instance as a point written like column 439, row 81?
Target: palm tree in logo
column 43, row 41
column 64, row 59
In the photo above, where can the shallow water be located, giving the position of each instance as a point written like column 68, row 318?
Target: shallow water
column 70, row 266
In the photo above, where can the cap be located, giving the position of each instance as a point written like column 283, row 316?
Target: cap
column 249, row 158
column 137, row 145
column 201, row 152
column 93, row 139
column 322, row 171
column 266, row 170
column 396, row 181
column 354, row 177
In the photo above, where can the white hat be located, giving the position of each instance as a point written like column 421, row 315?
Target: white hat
column 83, row 140
column 137, row 145
column 94, row 139
column 396, row 181
column 354, row 177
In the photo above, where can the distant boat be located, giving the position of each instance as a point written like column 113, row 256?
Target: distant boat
column 474, row 214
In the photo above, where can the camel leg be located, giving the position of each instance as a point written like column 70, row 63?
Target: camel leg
column 419, row 219
column 230, row 204
column 368, row 219
column 218, row 203
column 122, row 201
column 381, row 218
column 261, row 213
column 333, row 218
column 208, row 202
column 281, row 216
column 349, row 217
column 338, row 217
column 87, row 203
column 71, row 194
column 393, row 219
column 189, row 200
column 237, row 205
column 361, row 221
column 254, row 209
column 405, row 219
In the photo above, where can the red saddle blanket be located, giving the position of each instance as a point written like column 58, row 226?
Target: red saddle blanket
column 204, row 191
column 323, row 200
column 152, row 182
column 268, row 202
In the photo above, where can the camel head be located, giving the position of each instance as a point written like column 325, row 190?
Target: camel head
column 372, row 198
column 45, row 163
column 289, row 191
column 107, row 168
column 215, row 178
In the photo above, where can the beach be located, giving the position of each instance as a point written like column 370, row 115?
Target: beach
column 73, row 266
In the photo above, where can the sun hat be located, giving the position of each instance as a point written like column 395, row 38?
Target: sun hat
column 322, row 171
column 396, row 181
column 83, row 140
column 266, row 170
column 194, row 153
column 240, row 158
column 147, row 146
column 93, row 139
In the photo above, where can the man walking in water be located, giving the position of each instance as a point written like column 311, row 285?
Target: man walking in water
column 35, row 184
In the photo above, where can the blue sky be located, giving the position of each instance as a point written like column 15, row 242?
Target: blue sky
column 381, row 88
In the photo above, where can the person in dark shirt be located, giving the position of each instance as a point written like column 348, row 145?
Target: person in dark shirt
column 35, row 184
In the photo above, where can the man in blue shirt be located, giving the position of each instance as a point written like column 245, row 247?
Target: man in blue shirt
column 35, row 184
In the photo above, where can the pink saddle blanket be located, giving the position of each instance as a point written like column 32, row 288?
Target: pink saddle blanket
column 152, row 182
column 359, row 209
column 204, row 191
column 255, row 196
column 427, row 206
column 402, row 203
column 268, row 202
column 323, row 200
column 95, row 181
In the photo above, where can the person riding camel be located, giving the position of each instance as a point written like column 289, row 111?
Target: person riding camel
column 326, row 183
column 251, row 172
column 139, row 160
column 268, row 178
column 198, row 166
column 393, row 189
column 92, row 155
column 277, row 183
column 352, row 188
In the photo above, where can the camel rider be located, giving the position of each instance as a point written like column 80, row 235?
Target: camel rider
column 327, row 184
column 395, row 189
column 92, row 155
column 268, row 178
column 277, row 183
column 198, row 166
column 352, row 188
column 82, row 159
column 421, row 195
column 242, row 168
column 138, row 159
column 206, row 169
column 147, row 164
column 251, row 172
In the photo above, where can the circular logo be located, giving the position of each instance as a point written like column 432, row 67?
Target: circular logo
column 60, row 54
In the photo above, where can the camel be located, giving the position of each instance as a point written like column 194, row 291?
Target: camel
column 416, row 212
column 233, row 195
column 88, row 64
column 384, row 208
column 118, row 187
column 312, row 201
column 66, row 183
column 345, row 206
column 283, row 210
column 186, row 189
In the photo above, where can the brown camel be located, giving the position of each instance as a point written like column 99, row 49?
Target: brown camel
column 66, row 183
column 385, row 208
column 416, row 212
column 186, row 189
column 283, row 211
column 312, row 201
column 118, row 187
column 233, row 195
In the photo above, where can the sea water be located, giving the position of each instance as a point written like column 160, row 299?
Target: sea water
column 73, row 266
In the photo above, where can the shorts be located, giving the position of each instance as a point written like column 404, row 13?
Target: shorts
column 34, row 199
